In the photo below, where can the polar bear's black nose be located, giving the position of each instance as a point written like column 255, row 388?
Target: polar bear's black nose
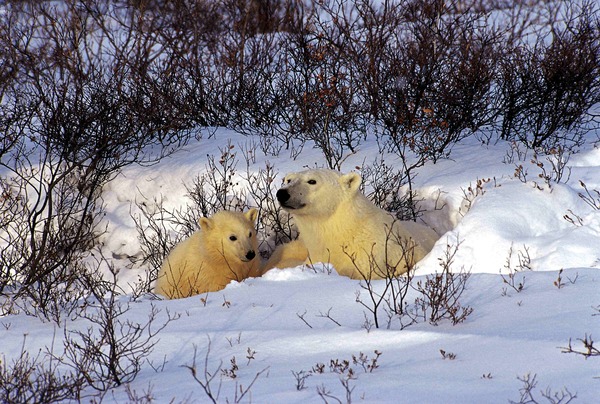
column 283, row 195
column 250, row 255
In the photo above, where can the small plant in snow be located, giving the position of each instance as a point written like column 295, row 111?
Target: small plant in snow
column 447, row 355
column 250, row 355
column 37, row 378
column 527, row 392
column 367, row 324
column 319, row 368
column 231, row 372
column 592, row 197
column 440, row 293
column 301, row 317
column 588, row 347
column 513, row 279
column 342, row 367
column 301, row 377
column 367, row 364
column 560, row 283
column 554, row 171
column 234, row 340
column 326, row 394
column 207, row 378
column 473, row 192
column 573, row 218
column 328, row 315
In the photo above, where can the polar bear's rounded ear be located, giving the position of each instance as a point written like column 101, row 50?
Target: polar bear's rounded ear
column 351, row 181
column 251, row 215
column 206, row 223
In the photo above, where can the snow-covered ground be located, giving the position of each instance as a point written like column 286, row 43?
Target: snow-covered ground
column 283, row 326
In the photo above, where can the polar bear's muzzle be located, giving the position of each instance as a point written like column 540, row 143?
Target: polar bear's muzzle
column 286, row 201
column 249, row 256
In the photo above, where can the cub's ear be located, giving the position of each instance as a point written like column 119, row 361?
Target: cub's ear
column 351, row 181
column 251, row 215
column 206, row 223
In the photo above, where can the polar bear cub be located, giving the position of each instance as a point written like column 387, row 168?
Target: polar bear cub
column 337, row 224
column 224, row 249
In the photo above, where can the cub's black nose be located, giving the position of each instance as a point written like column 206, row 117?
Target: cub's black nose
column 283, row 195
column 250, row 255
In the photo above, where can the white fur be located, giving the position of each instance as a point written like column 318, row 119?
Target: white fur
column 339, row 225
column 209, row 259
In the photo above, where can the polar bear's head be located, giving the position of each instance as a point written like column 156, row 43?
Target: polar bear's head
column 232, row 234
column 317, row 192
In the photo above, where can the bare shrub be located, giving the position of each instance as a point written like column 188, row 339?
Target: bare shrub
column 327, row 396
column 342, row 367
column 257, row 67
column 389, row 189
column 37, row 379
column 548, row 88
column 554, row 170
column 259, row 16
column 586, row 351
column 527, row 394
column 391, row 297
column 218, row 187
column 143, row 397
column 472, row 192
column 206, row 378
column 426, row 76
column 274, row 224
column 441, row 292
column 108, row 353
column 112, row 349
column 155, row 225
column 560, row 282
column 447, row 355
column 368, row 364
column 50, row 226
column 591, row 197
column 322, row 105
column 419, row 75
column 301, row 377
column 514, row 277
column 438, row 294
column 86, row 97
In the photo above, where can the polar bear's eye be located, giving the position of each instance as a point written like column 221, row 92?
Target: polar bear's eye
column 250, row 234
column 232, row 238
column 312, row 182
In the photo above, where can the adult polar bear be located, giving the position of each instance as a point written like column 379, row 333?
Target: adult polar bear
column 339, row 225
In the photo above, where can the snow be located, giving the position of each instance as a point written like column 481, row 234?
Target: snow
column 293, row 319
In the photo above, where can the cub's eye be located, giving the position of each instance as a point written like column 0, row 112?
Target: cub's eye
column 312, row 182
column 250, row 234
column 232, row 238
column 287, row 181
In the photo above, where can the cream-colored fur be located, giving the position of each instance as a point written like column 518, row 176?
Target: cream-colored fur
column 339, row 225
column 224, row 249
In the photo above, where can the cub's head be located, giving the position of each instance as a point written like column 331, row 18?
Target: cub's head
column 232, row 234
column 316, row 192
